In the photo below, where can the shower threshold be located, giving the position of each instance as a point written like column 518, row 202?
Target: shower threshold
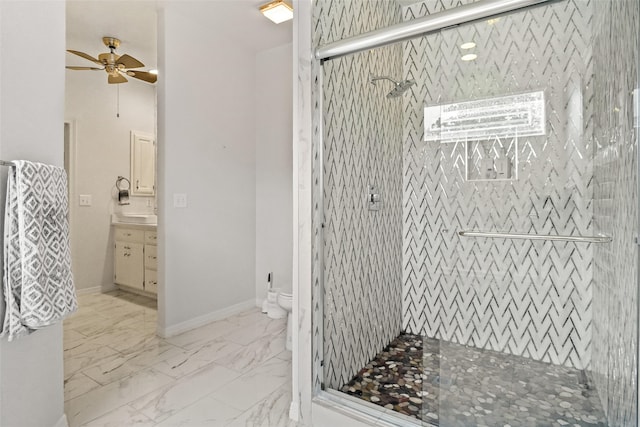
column 448, row 384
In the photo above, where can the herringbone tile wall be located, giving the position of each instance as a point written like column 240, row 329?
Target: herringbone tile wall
column 615, row 301
column 562, row 303
column 362, row 147
column 528, row 298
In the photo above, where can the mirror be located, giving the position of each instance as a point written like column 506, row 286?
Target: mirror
column 143, row 164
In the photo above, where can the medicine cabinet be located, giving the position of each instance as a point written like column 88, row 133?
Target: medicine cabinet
column 143, row 164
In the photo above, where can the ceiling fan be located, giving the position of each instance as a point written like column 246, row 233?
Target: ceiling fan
column 116, row 66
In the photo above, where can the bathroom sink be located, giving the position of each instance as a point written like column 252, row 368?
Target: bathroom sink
column 134, row 219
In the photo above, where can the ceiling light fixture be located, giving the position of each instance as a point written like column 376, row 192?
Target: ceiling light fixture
column 154, row 71
column 277, row 11
column 469, row 57
column 467, row 45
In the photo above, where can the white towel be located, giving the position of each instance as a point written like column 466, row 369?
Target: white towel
column 38, row 283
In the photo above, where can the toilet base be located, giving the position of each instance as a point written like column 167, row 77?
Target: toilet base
column 274, row 311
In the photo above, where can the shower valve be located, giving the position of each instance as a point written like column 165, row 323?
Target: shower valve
column 374, row 199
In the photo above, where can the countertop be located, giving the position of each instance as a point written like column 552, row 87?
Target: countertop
column 148, row 227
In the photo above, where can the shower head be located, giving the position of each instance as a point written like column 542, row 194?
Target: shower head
column 398, row 87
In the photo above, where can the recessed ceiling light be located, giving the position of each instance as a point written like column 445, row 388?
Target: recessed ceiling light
column 467, row 45
column 469, row 57
column 277, row 11
column 154, row 71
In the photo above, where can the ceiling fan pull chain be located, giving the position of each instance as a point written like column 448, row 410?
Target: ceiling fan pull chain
column 118, row 101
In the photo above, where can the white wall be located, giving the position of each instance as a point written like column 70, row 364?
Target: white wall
column 206, row 149
column 102, row 154
column 274, row 229
column 32, row 43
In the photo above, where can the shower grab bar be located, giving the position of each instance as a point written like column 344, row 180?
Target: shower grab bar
column 497, row 235
column 416, row 27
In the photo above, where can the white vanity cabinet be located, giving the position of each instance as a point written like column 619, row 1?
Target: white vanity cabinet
column 135, row 257
column 150, row 262
column 128, row 259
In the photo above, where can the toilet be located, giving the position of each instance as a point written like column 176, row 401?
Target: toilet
column 273, row 308
column 285, row 301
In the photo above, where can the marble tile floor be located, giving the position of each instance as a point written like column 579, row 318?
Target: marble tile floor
column 117, row 372
column 452, row 385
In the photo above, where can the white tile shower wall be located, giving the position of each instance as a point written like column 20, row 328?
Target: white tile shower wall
column 516, row 296
column 615, row 302
column 362, row 147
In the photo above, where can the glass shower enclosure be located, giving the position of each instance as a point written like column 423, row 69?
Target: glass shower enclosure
column 477, row 202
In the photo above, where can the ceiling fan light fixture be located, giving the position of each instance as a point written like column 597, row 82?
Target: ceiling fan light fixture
column 116, row 66
column 277, row 11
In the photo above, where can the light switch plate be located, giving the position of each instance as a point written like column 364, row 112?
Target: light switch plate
column 85, row 200
column 179, row 200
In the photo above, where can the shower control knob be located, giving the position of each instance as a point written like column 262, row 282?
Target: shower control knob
column 374, row 199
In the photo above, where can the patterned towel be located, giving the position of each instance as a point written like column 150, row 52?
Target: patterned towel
column 38, row 284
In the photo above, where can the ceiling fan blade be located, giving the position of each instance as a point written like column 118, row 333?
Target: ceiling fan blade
column 84, row 68
column 117, row 79
column 143, row 75
column 85, row 56
column 129, row 62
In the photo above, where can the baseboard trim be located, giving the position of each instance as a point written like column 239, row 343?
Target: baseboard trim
column 108, row 288
column 62, row 422
column 93, row 290
column 196, row 322
column 96, row 289
column 135, row 291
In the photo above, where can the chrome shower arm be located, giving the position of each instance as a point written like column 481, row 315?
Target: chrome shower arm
column 373, row 79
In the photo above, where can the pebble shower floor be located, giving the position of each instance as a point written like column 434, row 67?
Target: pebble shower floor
column 446, row 384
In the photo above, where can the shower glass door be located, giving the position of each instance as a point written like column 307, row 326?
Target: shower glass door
column 506, row 150
column 479, row 258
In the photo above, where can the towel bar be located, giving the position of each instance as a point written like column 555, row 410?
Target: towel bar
column 497, row 235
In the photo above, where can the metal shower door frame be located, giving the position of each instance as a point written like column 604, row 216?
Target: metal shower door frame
column 637, row 238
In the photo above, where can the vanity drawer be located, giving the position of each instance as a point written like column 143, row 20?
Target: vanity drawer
column 129, row 235
column 151, row 237
column 151, row 281
column 151, row 257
